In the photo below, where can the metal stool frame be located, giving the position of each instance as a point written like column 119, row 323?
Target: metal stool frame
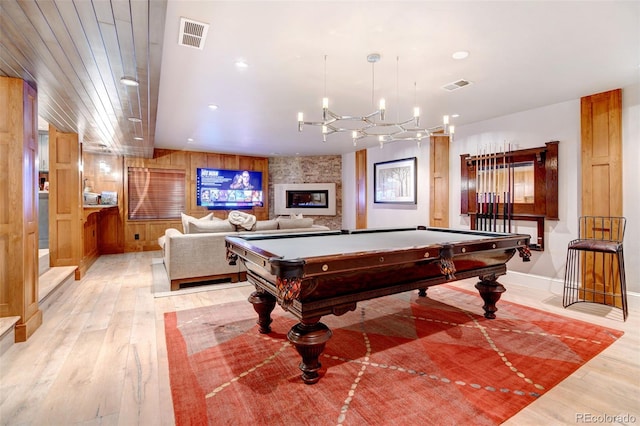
column 598, row 248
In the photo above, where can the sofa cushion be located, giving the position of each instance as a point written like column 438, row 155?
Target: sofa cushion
column 265, row 225
column 210, row 226
column 186, row 219
column 295, row 223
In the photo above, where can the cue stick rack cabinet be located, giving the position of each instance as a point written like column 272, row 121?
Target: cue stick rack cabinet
column 502, row 186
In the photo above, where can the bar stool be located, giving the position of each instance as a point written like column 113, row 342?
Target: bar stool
column 595, row 264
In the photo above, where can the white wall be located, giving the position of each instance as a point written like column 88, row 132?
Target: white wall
column 388, row 215
column 526, row 129
column 530, row 129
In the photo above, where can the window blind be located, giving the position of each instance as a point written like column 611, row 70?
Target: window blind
column 155, row 193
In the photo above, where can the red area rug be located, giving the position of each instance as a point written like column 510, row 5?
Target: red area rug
column 396, row 360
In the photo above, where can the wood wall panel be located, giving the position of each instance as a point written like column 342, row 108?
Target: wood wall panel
column 6, row 234
column 439, row 182
column 361, row 189
column 5, row 290
column 149, row 231
column 103, row 172
column 32, row 314
column 65, row 206
column 601, row 128
column 19, row 207
column 601, row 145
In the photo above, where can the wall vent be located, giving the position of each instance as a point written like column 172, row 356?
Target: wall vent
column 192, row 33
column 456, row 85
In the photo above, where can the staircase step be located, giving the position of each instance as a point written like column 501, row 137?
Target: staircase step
column 43, row 261
column 7, row 333
column 54, row 279
column 51, row 284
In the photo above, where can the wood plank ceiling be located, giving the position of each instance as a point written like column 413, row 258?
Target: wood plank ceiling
column 75, row 53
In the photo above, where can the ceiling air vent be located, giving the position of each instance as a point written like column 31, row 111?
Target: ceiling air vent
column 456, row 85
column 192, row 33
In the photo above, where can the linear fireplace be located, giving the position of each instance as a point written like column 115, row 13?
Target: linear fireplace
column 307, row 199
column 314, row 199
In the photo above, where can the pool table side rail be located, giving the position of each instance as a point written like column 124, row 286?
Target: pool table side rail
column 343, row 303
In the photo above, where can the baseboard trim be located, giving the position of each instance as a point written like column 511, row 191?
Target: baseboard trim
column 552, row 285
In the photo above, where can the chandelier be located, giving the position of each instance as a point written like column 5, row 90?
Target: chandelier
column 374, row 124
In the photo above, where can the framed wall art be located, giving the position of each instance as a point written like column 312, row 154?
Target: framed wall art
column 394, row 181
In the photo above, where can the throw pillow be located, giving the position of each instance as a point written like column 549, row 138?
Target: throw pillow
column 210, row 226
column 295, row 223
column 186, row 219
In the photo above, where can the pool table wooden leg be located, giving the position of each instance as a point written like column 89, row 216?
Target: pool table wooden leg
column 309, row 338
column 263, row 303
column 490, row 291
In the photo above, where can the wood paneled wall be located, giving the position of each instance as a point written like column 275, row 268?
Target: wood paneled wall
column 439, row 182
column 601, row 146
column 19, row 206
column 102, row 172
column 65, row 203
column 148, row 231
column 361, row 189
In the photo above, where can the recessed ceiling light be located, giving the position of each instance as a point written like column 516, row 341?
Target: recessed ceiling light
column 129, row 81
column 134, row 119
column 213, row 106
column 461, row 54
column 189, row 140
column 455, row 115
column 138, row 138
column 241, row 64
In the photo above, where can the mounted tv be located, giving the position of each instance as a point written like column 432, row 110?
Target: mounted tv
column 228, row 189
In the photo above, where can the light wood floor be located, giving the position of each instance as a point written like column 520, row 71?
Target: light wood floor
column 100, row 356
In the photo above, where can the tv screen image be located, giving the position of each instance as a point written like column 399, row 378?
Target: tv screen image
column 228, row 189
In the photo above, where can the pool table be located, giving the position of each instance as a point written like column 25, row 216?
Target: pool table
column 311, row 275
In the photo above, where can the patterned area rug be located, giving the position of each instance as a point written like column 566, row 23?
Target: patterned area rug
column 395, row 360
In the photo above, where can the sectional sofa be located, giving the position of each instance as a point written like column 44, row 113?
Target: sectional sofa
column 199, row 253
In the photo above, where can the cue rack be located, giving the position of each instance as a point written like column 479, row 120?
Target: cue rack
column 492, row 185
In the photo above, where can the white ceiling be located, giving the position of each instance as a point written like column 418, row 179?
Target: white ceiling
column 523, row 55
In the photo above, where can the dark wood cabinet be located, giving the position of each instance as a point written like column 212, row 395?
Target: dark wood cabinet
column 512, row 185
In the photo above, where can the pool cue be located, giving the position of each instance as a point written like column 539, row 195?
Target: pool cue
column 509, row 205
column 495, row 189
column 503, row 188
column 477, row 186
column 484, row 188
column 482, row 179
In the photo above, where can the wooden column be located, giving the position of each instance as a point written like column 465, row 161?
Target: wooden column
column 66, row 243
column 601, row 125
column 19, row 206
column 601, row 143
column 361, row 189
column 439, row 182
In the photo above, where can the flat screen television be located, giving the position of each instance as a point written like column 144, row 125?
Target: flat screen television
column 228, row 189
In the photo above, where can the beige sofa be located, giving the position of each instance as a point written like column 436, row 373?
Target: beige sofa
column 199, row 252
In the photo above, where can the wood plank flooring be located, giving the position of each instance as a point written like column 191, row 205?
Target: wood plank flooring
column 100, row 356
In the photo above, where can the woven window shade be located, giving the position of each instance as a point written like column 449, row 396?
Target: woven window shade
column 156, row 193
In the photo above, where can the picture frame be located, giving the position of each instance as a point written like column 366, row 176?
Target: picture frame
column 394, row 181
